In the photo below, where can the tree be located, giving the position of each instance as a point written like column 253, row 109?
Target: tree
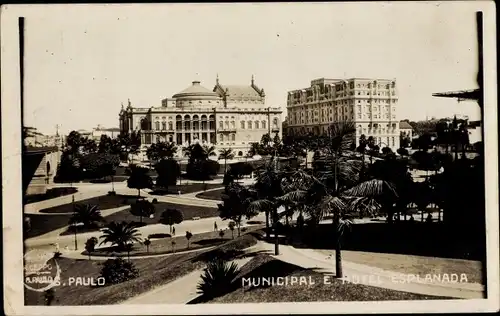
column 231, row 226
column 217, row 278
column 240, row 169
column 105, row 145
column 100, row 165
column 161, row 150
column 74, row 141
column 226, row 153
column 199, row 166
column 188, row 237
column 117, row 270
column 403, row 151
column 235, row 204
column 386, row 151
column 69, row 168
column 171, row 217
column 90, row 245
column 221, row 234
column 168, row 171
column 142, row 208
column 120, row 234
column 87, row 214
column 139, row 179
column 147, row 242
column 338, row 191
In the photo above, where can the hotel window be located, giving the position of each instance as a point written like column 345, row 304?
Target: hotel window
column 249, row 124
column 157, row 126
column 227, row 124
column 242, row 125
column 264, row 123
column 170, row 127
column 256, row 124
column 163, row 125
column 221, row 125
column 232, row 124
column 232, row 137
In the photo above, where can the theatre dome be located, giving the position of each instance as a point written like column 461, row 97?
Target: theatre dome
column 196, row 92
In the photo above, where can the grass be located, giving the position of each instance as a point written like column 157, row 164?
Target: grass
column 186, row 188
column 42, row 224
column 414, row 264
column 211, row 195
column 153, row 272
column 315, row 291
column 164, row 245
column 50, row 194
column 104, row 201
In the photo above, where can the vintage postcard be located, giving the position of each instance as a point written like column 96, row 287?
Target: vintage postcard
column 246, row 158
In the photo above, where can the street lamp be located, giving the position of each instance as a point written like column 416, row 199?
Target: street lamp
column 74, row 216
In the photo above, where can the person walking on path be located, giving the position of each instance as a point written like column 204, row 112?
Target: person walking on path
column 173, row 230
column 215, row 226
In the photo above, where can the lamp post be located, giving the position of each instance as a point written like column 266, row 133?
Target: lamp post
column 74, row 216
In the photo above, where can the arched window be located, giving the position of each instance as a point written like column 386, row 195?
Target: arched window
column 249, row 124
column 211, row 121
column 170, row 127
column 221, row 136
column 196, row 122
column 256, row 124
column 240, row 153
column 263, row 124
column 157, row 126
column 204, row 123
column 233, row 124
column 187, row 125
column 242, row 124
column 163, row 125
column 227, row 124
column 221, row 125
column 275, row 123
column 178, row 123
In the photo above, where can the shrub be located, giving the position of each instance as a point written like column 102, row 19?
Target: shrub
column 202, row 169
column 112, row 193
column 217, row 277
column 155, row 200
column 118, row 270
column 57, row 254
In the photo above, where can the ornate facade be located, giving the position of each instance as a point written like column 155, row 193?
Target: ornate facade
column 228, row 116
column 370, row 103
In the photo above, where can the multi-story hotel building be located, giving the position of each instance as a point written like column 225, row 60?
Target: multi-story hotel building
column 370, row 103
column 228, row 116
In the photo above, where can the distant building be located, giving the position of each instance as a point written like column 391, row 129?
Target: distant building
column 97, row 132
column 370, row 103
column 405, row 129
column 228, row 116
column 39, row 166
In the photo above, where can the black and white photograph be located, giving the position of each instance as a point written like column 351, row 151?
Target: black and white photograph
column 219, row 157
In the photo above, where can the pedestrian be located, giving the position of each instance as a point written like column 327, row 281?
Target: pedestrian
column 173, row 230
column 215, row 226
column 429, row 218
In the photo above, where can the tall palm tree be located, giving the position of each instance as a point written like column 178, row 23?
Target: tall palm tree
column 226, row 153
column 338, row 190
column 87, row 214
column 120, row 234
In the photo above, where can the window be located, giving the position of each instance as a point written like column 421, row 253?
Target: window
column 227, row 124
column 221, row 125
column 164, row 125
column 264, row 123
column 233, row 137
column 170, row 126
column 232, row 124
column 157, row 126
column 256, row 124
column 242, row 125
column 249, row 124
column 221, row 136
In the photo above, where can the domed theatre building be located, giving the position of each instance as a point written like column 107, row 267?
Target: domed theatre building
column 228, row 116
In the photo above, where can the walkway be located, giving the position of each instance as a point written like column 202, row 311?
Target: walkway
column 368, row 275
column 180, row 291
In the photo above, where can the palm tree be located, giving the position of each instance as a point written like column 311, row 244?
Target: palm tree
column 120, row 234
column 338, row 190
column 217, row 278
column 87, row 214
column 226, row 153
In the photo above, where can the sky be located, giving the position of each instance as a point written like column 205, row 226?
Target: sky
column 83, row 61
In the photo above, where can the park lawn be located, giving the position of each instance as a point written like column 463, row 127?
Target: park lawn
column 153, row 272
column 315, row 291
column 189, row 211
column 164, row 245
column 410, row 264
column 186, row 188
column 104, row 201
column 50, row 194
column 42, row 224
column 211, row 195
